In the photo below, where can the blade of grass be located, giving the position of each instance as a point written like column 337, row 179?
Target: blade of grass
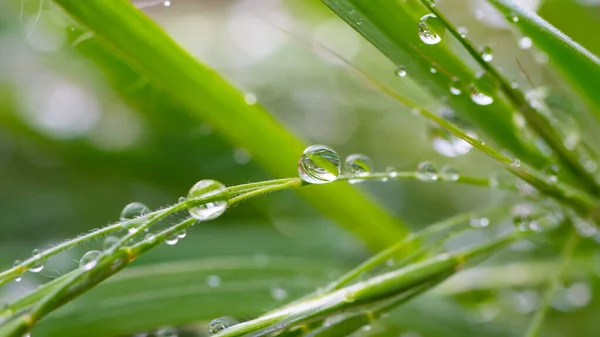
column 141, row 43
column 580, row 66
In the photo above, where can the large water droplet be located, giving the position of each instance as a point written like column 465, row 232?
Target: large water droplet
column 214, row 207
column 525, row 42
column 220, row 324
column 400, row 71
column 134, row 210
column 166, row 332
column 38, row 266
column 172, row 239
column 448, row 173
column 483, row 89
column 279, row 294
column 431, row 29
column 487, row 54
column 109, row 242
column 426, row 171
column 89, row 259
column 319, row 165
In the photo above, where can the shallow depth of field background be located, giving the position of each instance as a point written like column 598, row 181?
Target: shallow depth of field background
column 73, row 152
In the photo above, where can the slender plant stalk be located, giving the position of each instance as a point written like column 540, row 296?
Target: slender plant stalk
column 567, row 256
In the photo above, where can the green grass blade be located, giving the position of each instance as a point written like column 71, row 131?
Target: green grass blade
column 580, row 66
column 391, row 26
column 141, row 43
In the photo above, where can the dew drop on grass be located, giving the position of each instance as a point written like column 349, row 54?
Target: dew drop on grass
column 433, row 69
column 133, row 210
column 250, row 99
column 207, row 189
column 279, row 294
column 525, row 42
column 109, row 242
column 551, row 174
column 426, row 171
column 358, row 163
column 431, row 3
column 455, row 86
column 482, row 89
column 400, row 71
column 431, row 29
column 172, row 239
column 487, row 54
column 512, row 17
column 166, row 332
column 515, row 162
column 213, row 281
column 463, row 31
column 181, row 199
column 479, row 222
column 319, row 165
column 220, row 324
column 391, row 171
column 448, row 173
column 89, row 259
column 182, row 234
column 38, row 266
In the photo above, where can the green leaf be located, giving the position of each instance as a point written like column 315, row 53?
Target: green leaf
column 208, row 97
column 391, row 26
column 580, row 66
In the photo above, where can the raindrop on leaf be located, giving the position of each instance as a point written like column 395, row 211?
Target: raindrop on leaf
column 430, row 29
column 216, row 197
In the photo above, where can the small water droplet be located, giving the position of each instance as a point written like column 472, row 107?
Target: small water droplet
column 487, row 54
column 433, row 69
column 182, row 234
column 448, row 173
column 426, row 171
column 220, row 324
column 431, row 3
column 167, row 3
column 181, row 199
column 463, row 31
column 479, row 222
column 525, row 42
column 391, row 171
column 455, row 86
column 133, row 210
column 279, row 294
column 172, row 239
column 551, row 174
column 512, row 17
column 250, row 98
column 166, row 332
column 38, row 266
column 400, row 71
column 89, row 259
column 213, row 281
column 212, row 190
column 109, row 242
column 515, row 162
column 431, row 29
column 319, row 165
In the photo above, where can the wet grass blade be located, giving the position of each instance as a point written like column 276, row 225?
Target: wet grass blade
column 208, row 97
column 580, row 66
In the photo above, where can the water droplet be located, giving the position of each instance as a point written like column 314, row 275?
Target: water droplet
column 166, row 332
column 523, row 223
column 512, row 17
column 455, row 86
column 319, row 165
column 431, row 3
column 463, row 31
column 525, row 42
column 38, row 266
column 551, row 174
column 482, row 89
column 487, row 54
column 391, row 171
column 220, row 324
column 250, row 98
column 479, row 222
column 133, row 210
column 181, row 199
column 167, row 3
column 448, row 173
column 89, row 259
column 109, row 242
column 431, row 29
column 217, row 196
column 172, row 239
column 515, row 162
column 426, row 171
column 182, row 234
column 213, row 281
column 433, row 69
column 279, row 294
column 400, row 71
column 366, row 327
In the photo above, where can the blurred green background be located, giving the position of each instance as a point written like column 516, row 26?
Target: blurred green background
column 79, row 139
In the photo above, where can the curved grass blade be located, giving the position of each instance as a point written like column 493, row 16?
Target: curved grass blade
column 580, row 66
column 144, row 46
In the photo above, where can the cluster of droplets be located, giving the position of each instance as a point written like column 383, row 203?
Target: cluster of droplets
column 427, row 171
